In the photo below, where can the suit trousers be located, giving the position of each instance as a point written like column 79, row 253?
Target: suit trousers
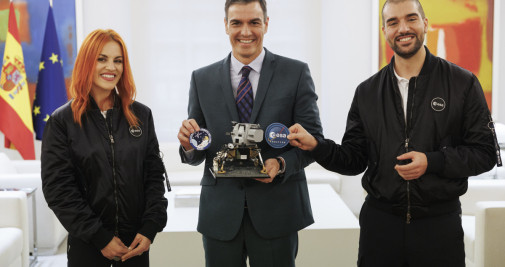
column 278, row 252
column 82, row 254
column 386, row 240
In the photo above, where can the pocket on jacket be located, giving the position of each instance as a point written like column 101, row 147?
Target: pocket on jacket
column 373, row 161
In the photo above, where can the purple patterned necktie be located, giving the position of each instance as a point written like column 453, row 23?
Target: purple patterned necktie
column 244, row 98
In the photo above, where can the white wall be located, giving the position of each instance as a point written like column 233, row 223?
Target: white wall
column 499, row 63
column 346, row 59
column 334, row 39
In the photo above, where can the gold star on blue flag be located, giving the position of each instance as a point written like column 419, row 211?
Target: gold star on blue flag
column 54, row 58
column 36, row 110
column 50, row 92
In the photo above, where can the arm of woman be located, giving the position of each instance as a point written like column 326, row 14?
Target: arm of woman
column 61, row 189
column 155, row 212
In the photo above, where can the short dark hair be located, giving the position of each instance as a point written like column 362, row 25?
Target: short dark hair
column 419, row 7
column 228, row 3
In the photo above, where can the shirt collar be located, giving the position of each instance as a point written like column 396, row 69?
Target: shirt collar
column 236, row 66
column 400, row 79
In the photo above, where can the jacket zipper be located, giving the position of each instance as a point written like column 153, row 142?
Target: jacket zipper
column 408, row 186
column 407, row 139
column 116, row 231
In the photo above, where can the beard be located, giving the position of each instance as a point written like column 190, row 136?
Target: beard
column 409, row 53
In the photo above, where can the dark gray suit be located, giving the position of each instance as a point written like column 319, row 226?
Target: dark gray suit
column 285, row 94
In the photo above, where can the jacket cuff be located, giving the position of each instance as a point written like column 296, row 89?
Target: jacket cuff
column 282, row 165
column 149, row 230
column 436, row 162
column 102, row 238
column 322, row 150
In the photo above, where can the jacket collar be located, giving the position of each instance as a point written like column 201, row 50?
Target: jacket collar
column 267, row 71
column 94, row 106
column 226, row 89
column 428, row 65
column 96, row 116
column 266, row 74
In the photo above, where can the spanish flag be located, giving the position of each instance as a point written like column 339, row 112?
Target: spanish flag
column 15, row 110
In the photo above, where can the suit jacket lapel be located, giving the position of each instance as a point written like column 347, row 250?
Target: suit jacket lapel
column 267, row 71
column 229, row 99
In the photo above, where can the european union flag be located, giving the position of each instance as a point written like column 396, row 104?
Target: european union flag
column 51, row 91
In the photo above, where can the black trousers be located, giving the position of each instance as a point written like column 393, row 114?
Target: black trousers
column 278, row 252
column 82, row 254
column 387, row 240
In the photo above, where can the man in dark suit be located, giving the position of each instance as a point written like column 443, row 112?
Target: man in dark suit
column 255, row 218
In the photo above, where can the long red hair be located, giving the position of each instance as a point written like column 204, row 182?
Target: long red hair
column 82, row 75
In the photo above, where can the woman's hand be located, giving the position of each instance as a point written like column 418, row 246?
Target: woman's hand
column 115, row 248
column 138, row 246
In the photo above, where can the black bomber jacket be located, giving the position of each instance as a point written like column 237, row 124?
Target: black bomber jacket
column 447, row 119
column 105, row 178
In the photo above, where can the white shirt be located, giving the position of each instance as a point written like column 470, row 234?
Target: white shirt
column 403, row 85
column 254, row 75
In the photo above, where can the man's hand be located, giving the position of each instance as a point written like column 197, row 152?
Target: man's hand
column 115, row 248
column 299, row 137
column 414, row 169
column 138, row 246
column 272, row 166
column 188, row 127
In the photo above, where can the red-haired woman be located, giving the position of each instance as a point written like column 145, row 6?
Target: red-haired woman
column 101, row 171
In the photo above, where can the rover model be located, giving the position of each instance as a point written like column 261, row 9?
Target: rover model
column 241, row 158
